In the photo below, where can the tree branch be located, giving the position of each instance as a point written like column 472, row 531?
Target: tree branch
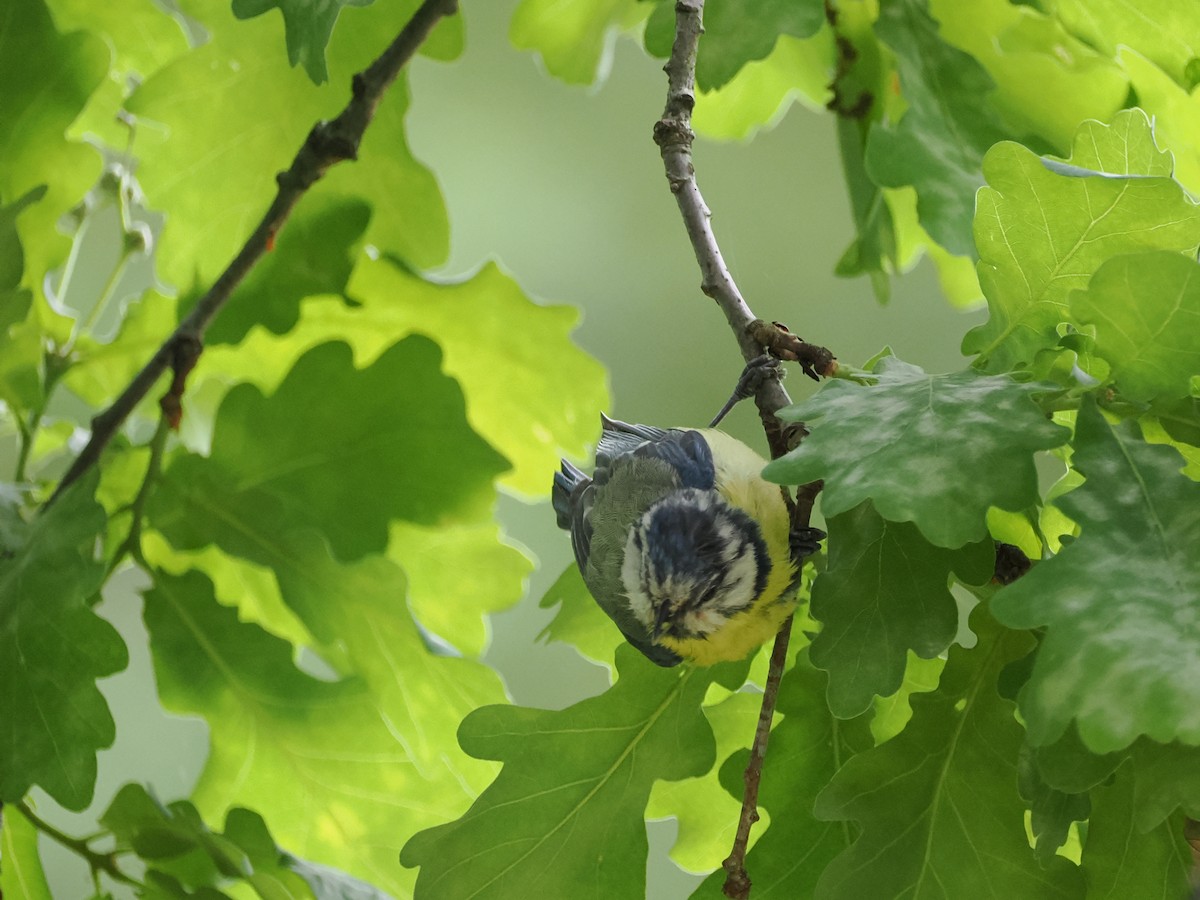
column 674, row 136
column 327, row 143
column 98, row 862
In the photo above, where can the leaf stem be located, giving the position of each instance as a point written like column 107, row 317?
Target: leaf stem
column 132, row 545
column 98, row 862
column 327, row 143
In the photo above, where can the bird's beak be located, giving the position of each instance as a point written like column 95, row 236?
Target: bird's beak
column 661, row 616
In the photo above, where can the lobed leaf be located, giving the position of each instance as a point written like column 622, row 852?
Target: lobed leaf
column 1043, row 228
column 224, row 114
column 1161, row 30
column 806, row 748
column 939, row 143
column 934, row 450
column 346, row 767
column 565, row 815
column 937, row 805
column 886, row 591
column 52, row 650
column 307, row 28
column 1121, row 656
column 1122, row 861
column 1146, row 310
column 573, row 41
column 47, row 77
column 1046, row 81
column 21, row 873
column 337, row 449
column 538, row 412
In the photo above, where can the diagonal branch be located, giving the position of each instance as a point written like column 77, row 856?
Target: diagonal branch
column 674, row 136
column 327, row 143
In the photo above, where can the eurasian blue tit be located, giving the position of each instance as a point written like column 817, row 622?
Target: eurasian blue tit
column 681, row 541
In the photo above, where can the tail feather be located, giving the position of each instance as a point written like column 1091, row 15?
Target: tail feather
column 566, row 483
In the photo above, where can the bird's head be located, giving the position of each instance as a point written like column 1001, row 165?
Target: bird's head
column 691, row 562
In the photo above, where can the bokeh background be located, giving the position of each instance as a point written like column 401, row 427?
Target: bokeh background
column 564, row 187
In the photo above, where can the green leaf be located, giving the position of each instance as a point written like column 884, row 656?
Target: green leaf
column 47, row 78
column 20, row 336
column 307, row 27
column 345, row 771
column 565, row 815
column 934, row 450
column 573, row 39
column 1046, row 81
column 938, row 804
column 579, row 621
column 1161, row 30
column 21, row 873
column 1121, row 861
column 706, row 813
column 939, row 143
column 762, row 91
column 314, row 254
column 893, row 712
column 179, row 846
column 1175, row 111
column 391, row 444
column 1051, row 811
column 886, row 591
column 52, row 650
column 1146, row 309
column 1043, row 229
column 1121, row 655
column 737, row 32
column 213, row 128
column 546, row 405
column 805, row 750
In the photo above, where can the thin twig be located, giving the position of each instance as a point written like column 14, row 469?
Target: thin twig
column 674, row 136
column 98, row 862
column 327, row 143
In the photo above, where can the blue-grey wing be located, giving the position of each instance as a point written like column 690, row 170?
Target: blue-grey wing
column 687, row 452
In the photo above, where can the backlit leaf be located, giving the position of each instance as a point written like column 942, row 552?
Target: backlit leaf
column 1043, row 229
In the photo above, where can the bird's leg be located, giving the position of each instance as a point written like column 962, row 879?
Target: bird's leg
column 804, row 542
column 756, row 372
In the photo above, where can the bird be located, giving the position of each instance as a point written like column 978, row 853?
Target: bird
column 682, row 542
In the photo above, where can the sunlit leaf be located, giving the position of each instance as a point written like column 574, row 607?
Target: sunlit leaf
column 307, row 26
column 47, row 77
column 1161, row 30
column 229, row 133
column 1146, row 309
column 1043, row 229
column 1176, row 114
column 574, row 39
column 21, row 871
column 1047, row 81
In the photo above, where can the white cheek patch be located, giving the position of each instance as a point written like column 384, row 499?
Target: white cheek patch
column 738, row 590
column 703, row 621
